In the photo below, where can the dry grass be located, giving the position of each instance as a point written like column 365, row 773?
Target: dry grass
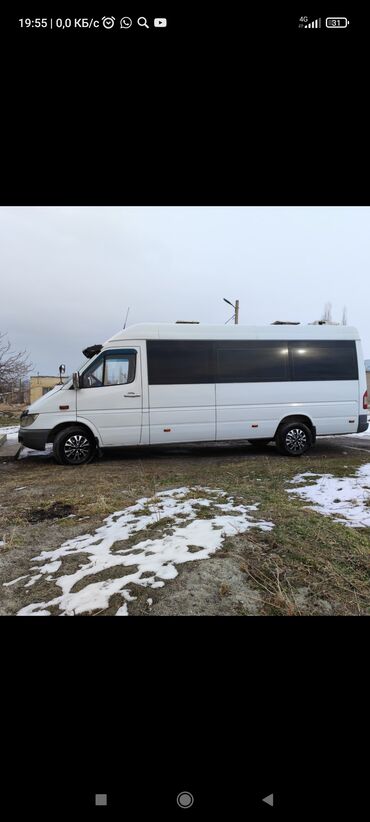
column 307, row 564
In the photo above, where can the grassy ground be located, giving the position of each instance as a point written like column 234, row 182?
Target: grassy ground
column 307, row 564
column 9, row 418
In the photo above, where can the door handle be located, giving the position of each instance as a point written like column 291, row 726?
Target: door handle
column 131, row 394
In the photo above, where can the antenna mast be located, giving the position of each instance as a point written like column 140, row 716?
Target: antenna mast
column 124, row 325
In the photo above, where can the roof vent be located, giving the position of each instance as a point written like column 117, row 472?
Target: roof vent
column 284, row 322
column 323, row 322
column 187, row 322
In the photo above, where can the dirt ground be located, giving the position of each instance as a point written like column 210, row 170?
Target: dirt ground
column 306, row 565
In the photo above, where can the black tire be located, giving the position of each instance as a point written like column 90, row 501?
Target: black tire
column 259, row 443
column 294, row 439
column 74, row 446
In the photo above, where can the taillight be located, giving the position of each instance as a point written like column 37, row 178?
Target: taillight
column 364, row 401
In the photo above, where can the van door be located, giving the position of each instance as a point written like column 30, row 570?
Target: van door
column 110, row 396
column 181, row 391
column 253, row 391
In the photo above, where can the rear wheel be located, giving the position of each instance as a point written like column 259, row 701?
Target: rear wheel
column 259, row 443
column 74, row 446
column 294, row 439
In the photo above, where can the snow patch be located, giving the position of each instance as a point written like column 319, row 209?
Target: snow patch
column 347, row 499
column 13, row 581
column 364, row 433
column 150, row 562
column 29, row 452
column 123, row 610
column 301, row 477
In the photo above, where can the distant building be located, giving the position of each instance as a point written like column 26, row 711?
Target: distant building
column 40, row 385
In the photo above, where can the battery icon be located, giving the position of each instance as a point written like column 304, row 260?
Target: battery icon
column 336, row 22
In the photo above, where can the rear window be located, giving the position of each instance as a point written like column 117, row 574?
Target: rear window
column 326, row 360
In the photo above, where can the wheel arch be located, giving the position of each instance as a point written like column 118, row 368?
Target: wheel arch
column 67, row 424
column 297, row 418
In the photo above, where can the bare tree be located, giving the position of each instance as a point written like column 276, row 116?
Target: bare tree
column 14, row 366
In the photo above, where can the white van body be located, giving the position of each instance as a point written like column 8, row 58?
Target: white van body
column 156, row 384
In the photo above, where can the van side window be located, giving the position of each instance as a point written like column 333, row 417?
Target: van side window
column 180, row 362
column 111, row 369
column 119, row 369
column 253, row 361
column 324, row 360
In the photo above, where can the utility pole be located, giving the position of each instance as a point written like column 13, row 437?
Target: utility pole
column 235, row 316
column 236, row 312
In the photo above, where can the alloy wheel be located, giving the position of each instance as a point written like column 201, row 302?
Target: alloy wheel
column 77, row 448
column 296, row 440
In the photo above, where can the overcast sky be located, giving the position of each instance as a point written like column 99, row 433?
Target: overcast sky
column 68, row 275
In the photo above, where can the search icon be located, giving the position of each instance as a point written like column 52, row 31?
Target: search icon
column 142, row 21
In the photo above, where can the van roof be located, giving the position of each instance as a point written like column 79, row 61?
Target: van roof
column 172, row 331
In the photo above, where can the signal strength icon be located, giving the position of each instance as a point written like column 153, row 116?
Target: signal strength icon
column 316, row 24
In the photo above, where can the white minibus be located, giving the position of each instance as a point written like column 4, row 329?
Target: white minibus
column 188, row 383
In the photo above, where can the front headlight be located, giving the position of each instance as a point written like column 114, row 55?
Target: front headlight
column 28, row 419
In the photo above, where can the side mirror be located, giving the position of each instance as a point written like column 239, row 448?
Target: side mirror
column 76, row 380
column 62, row 370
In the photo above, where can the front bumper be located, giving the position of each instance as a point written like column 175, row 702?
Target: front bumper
column 33, row 439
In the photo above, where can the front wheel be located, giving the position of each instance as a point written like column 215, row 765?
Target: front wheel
column 74, row 446
column 294, row 439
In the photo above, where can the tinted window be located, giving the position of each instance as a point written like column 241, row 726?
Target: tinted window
column 178, row 362
column 326, row 360
column 172, row 362
column 253, row 361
